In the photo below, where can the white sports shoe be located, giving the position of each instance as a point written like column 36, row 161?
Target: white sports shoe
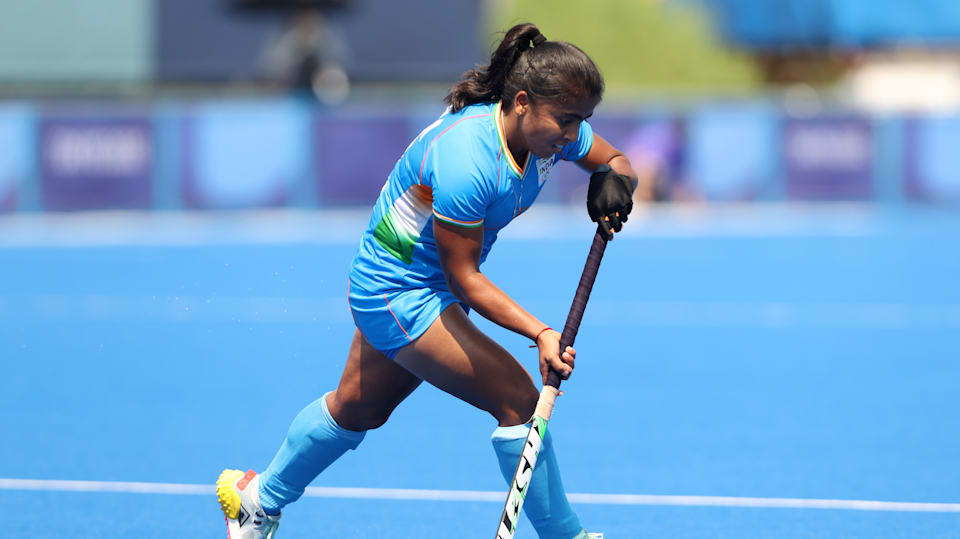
column 239, row 495
column 584, row 534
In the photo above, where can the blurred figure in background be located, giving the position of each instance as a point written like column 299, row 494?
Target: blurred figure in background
column 657, row 152
column 309, row 58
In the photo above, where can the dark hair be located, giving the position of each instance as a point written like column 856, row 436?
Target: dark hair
column 525, row 60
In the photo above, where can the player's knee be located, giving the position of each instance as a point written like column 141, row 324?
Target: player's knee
column 529, row 404
column 372, row 420
column 360, row 416
column 519, row 408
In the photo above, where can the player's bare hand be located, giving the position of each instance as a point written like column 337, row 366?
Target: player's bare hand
column 548, row 344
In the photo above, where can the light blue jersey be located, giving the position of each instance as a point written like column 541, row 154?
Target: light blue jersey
column 460, row 171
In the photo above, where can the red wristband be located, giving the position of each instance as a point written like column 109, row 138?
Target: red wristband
column 537, row 336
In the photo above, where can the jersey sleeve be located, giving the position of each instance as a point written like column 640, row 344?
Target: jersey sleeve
column 579, row 149
column 461, row 189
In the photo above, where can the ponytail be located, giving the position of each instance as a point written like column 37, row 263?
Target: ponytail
column 525, row 60
column 484, row 84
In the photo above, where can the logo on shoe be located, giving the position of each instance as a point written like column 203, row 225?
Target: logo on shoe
column 242, row 517
column 245, row 480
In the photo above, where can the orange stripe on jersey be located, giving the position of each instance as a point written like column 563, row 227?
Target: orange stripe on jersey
column 423, row 193
column 451, row 220
column 499, row 156
column 502, row 136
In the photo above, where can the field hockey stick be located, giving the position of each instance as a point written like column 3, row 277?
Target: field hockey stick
column 538, row 429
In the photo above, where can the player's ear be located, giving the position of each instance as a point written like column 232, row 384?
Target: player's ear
column 521, row 103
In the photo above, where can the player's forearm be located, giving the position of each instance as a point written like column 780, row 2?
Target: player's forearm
column 621, row 165
column 495, row 305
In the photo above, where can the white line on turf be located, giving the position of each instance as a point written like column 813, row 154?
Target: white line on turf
column 489, row 496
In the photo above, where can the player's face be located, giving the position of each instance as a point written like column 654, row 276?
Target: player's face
column 547, row 126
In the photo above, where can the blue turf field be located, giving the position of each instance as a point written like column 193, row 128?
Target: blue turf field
column 763, row 354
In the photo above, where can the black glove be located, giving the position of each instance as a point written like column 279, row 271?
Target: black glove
column 609, row 194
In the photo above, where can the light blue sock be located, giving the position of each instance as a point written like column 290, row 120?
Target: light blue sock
column 313, row 442
column 546, row 503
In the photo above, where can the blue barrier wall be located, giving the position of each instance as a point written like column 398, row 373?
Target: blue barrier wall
column 286, row 153
column 837, row 23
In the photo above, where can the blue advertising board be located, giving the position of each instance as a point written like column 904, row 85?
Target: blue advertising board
column 244, row 154
column 829, row 158
column 16, row 158
column 354, row 154
column 731, row 152
column 96, row 160
column 930, row 156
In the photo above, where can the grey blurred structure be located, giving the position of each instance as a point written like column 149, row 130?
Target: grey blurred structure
column 77, row 47
column 310, row 57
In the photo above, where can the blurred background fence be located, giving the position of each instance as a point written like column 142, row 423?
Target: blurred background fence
column 222, row 104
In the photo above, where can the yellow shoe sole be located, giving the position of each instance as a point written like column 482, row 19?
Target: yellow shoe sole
column 227, row 493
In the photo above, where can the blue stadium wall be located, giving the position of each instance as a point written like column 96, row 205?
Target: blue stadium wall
column 287, row 153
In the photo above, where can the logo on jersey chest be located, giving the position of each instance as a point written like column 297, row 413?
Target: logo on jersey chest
column 544, row 166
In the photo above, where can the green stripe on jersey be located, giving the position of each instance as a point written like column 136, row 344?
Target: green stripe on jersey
column 399, row 229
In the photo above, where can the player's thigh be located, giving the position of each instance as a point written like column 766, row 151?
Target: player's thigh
column 371, row 387
column 458, row 358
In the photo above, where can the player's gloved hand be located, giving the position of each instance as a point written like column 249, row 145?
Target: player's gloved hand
column 548, row 344
column 609, row 199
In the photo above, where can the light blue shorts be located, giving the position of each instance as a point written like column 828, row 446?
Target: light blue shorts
column 391, row 320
